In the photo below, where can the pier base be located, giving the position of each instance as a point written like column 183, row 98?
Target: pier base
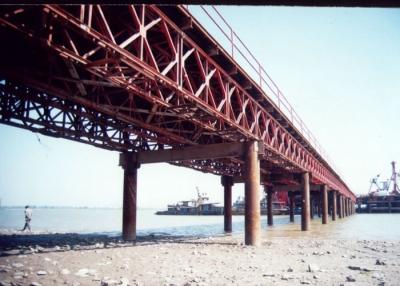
column 270, row 215
column 252, row 201
column 324, row 204
column 339, row 197
column 227, row 182
column 334, row 205
column 129, row 197
column 312, row 206
column 305, row 214
column 291, row 206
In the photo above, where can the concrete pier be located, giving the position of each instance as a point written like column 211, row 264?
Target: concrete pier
column 305, row 211
column 324, row 204
column 227, row 183
column 334, row 205
column 252, row 201
column 270, row 215
column 129, row 197
column 291, row 206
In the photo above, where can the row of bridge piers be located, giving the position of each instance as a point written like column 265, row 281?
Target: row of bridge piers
column 321, row 201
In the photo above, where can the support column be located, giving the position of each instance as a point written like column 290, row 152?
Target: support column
column 312, row 206
column 346, row 207
column 334, row 205
column 252, row 201
column 343, row 207
column 291, row 206
column 270, row 215
column 129, row 196
column 340, row 206
column 319, row 204
column 324, row 204
column 305, row 211
column 227, row 182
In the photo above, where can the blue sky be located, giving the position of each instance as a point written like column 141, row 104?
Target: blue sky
column 339, row 67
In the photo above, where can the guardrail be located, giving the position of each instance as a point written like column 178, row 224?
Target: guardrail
column 242, row 54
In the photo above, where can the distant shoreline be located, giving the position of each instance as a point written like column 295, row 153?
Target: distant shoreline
column 71, row 207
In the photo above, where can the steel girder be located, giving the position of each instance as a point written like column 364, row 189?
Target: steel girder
column 134, row 63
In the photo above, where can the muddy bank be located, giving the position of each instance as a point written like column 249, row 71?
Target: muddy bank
column 223, row 260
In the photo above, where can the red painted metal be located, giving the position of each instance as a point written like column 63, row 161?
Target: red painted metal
column 156, row 79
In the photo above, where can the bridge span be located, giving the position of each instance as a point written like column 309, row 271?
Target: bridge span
column 151, row 82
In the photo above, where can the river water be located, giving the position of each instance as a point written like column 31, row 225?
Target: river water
column 109, row 221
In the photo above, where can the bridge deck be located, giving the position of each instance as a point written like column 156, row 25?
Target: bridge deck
column 143, row 78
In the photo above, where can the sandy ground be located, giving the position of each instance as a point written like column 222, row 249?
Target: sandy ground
column 96, row 260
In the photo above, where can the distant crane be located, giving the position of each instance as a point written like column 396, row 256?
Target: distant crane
column 385, row 185
column 396, row 189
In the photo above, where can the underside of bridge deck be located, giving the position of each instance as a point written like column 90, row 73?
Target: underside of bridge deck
column 152, row 79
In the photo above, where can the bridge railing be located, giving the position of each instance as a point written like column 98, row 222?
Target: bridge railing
column 243, row 56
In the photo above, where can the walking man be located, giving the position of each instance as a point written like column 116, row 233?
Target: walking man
column 28, row 218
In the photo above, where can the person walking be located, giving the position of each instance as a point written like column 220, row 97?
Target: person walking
column 28, row 218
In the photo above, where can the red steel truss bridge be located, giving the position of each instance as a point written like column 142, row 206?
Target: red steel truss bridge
column 151, row 82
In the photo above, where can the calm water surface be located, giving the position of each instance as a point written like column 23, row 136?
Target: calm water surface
column 109, row 221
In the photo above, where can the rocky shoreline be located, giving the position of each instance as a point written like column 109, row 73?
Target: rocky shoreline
column 71, row 259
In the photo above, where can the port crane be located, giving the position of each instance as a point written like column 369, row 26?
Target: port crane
column 385, row 185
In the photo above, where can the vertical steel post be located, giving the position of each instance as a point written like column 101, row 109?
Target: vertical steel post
column 252, row 201
column 334, row 205
column 129, row 196
column 305, row 215
column 340, row 206
column 324, row 204
column 270, row 216
column 312, row 205
column 227, row 182
column 291, row 206
column 319, row 204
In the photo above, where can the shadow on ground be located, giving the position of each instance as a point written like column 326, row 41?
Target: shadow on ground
column 16, row 244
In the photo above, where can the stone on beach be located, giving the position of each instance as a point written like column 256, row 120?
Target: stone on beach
column 85, row 272
column 41, row 272
column 350, row 278
column 313, row 268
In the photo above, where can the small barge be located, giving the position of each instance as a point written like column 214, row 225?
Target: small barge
column 202, row 206
column 199, row 206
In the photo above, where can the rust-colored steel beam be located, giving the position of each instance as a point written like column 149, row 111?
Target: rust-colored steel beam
column 251, row 195
column 144, row 70
column 324, row 204
column 227, row 183
column 305, row 212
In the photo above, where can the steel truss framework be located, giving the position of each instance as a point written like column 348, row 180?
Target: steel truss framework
column 138, row 78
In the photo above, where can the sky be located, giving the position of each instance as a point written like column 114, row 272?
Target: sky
column 338, row 67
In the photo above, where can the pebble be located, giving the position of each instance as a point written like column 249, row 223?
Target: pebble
column 35, row 284
column 290, row 269
column 380, row 262
column 41, row 272
column 350, row 278
column 65, row 272
column 17, row 265
column 305, row 282
column 268, row 275
column 312, row 268
column 84, row 272
column 378, row 276
column 110, row 282
column 124, row 281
